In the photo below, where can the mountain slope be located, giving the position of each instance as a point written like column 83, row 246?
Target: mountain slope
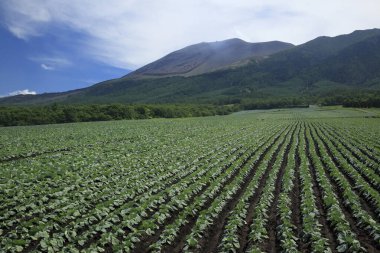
column 344, row 66
column 206, row 57
column 287, row 64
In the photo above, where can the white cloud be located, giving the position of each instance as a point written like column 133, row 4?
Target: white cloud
column 130, row 33
column 60, row 61
column 50, row 63
column 22, row 92
column 46, row 67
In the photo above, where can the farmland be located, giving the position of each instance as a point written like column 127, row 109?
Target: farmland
column 289, row 180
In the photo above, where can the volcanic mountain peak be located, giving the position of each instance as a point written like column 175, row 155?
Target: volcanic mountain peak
column 206, row 57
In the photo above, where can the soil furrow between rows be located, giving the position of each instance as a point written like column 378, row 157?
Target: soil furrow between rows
column 327, row 229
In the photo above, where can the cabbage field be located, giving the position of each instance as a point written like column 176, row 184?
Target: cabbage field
column 289, row 180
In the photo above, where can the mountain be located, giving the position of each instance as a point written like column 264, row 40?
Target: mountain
column 207, row 57
column 321, row 52
column 321, row 69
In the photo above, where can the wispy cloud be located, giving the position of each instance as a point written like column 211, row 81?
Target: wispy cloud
column 50, row 63
column 129, row 33
column 90, row 81
column 22, row 92
column 46, row 67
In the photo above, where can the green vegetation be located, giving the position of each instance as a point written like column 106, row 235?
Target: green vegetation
column 37, row 115
column 281, row 180
column 64, row 113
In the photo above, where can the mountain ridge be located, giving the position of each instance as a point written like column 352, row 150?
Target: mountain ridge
column 346, row 65
column 207, row 57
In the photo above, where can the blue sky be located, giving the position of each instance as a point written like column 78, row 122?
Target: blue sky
column 48, row 63
column 59, row 45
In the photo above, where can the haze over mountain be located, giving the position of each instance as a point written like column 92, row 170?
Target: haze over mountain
column 346, row 65
column 206, row 57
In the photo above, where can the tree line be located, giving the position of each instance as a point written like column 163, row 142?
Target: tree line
column 57, row 113
column 65, row 113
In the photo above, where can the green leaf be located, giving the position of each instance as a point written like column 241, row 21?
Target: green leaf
column 135, row 239
column 192, row 242
column 43, row 245
column 342, row 248
column 149, row 231
column 19, row 248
